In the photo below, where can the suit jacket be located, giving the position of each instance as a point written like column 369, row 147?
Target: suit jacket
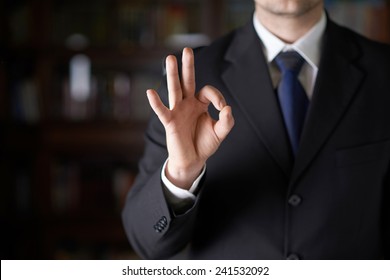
column 256, row 202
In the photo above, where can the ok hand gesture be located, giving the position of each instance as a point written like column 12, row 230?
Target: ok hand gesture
column 192, row 135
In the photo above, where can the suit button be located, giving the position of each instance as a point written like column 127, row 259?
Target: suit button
column 293, row 257
column 163, row 221
column 161, row 224
column 295, row 200
column 157, row 228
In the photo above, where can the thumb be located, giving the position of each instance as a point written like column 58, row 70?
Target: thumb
column 225, row 123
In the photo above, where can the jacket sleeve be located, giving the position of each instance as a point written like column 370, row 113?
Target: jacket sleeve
column 150, row 225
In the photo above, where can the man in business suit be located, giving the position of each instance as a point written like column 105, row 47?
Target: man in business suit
column 216, row 186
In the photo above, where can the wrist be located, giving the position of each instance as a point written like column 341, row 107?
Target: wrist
column 183, row 176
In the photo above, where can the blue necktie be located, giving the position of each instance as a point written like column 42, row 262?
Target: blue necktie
column 292, row 97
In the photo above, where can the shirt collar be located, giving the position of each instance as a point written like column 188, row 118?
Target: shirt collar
column 308, row 46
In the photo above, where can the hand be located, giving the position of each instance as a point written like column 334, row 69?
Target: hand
column 192, row 135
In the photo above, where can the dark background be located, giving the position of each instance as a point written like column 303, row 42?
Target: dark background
column 65, row 163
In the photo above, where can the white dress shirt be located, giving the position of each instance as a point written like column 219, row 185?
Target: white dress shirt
column 308, row 46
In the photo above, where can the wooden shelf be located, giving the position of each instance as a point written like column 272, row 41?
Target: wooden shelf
column 110, row 57
column 103, row 137
column 84, row 137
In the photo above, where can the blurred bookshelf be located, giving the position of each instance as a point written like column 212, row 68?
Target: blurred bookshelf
column 367, row 17
column 73, row 109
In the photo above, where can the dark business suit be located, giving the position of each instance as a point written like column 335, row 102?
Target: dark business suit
column 255, row 201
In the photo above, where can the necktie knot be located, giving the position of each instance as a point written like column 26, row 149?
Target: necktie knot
column 289, row 61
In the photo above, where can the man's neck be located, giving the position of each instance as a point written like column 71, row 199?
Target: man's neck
column 289, row 28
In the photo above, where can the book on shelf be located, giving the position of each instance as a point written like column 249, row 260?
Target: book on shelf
column 133, row 26
column 25, row 100
column 65, row 190
column 78, row 109
column 139, row 107
column 23, row 190
column 3, row 96
column 19, row 16
column 114, row 91
column 16, row 192
column 91, row 19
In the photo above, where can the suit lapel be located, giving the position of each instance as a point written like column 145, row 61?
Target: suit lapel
column 247, row 78
column 337, row 82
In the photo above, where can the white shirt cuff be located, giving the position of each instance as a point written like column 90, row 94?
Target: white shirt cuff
column 176, row 194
